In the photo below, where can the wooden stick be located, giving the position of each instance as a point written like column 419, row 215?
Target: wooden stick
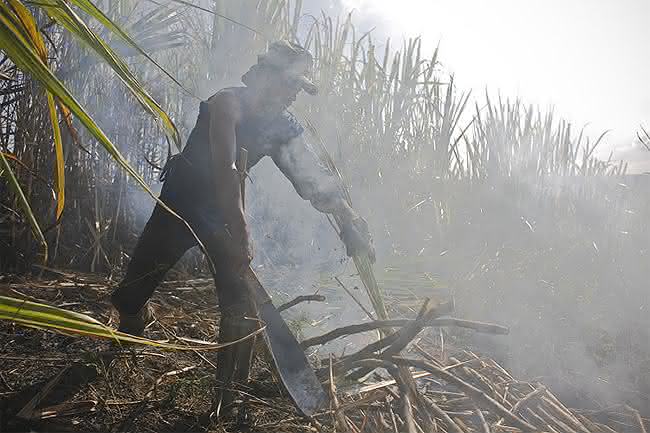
column 564, row 412
column 365, row 310
column 540, row 420
column 408, row 333
column 442, row 414
column 637, row 416
column 557, row 422
column 484, row 424
column 298, row 299
column 66, row 409
column 339, row 416
column 242, row 166
column 589, row 424
column 470, row 390
column 488, row 328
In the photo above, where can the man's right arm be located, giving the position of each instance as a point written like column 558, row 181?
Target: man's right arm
column 314, row 182
column 224, row 109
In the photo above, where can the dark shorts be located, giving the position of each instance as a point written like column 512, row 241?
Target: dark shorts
column 188, row 190
column 165, row 239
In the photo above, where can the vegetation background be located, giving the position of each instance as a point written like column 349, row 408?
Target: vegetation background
column 499, row 204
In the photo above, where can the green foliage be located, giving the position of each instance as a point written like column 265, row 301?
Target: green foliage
column 43, row 316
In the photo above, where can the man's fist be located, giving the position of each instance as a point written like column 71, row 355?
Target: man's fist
column 356, row 237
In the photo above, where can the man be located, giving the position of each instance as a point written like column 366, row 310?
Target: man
column 202, row 184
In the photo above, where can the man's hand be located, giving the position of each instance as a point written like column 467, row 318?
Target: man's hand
column 356, row 237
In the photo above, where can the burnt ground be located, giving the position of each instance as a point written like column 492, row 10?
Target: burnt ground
column 139, row 389
column 102, row 387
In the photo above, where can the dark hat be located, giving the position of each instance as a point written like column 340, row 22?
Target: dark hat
column 293, row 60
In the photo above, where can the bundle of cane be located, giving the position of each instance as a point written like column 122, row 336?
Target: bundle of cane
column 362, row 263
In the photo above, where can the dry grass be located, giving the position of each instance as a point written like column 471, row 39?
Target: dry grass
column 152, row 390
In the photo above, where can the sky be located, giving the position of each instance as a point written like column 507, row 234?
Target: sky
column 588, row 59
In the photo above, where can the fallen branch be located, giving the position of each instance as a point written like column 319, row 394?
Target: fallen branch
column 344, row 364
column 390, row 340
column 441, row 414
column 488, row 328
column 299, row 299
column 408, row 333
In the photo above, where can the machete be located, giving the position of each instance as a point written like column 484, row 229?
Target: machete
column 295, row 372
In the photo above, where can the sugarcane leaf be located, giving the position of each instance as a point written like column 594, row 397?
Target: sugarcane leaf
column 30, row 29
column 43, row 316
column 23, row 55
column 63, row 14
column 60, row 161
column 18, row 49
column 91, row 9
column 24, row 203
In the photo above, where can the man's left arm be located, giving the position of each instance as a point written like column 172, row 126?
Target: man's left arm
column 315, row 182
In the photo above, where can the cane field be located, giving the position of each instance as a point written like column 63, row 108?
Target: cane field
column 510, row 285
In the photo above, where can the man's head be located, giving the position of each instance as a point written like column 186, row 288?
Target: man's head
column 281, row 73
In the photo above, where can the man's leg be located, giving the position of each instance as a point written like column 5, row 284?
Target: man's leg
column 238, row 319
column 163, row 241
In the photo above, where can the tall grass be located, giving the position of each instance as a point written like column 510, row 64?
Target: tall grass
column 395, row 123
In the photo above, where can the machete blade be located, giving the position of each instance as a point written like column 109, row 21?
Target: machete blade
column 295, row 372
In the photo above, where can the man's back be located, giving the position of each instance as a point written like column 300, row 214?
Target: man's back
column 260, row 133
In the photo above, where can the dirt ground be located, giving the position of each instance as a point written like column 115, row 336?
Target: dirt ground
column 102, row 387
column 141, row 389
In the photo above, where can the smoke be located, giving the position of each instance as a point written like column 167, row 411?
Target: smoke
column 560, row 260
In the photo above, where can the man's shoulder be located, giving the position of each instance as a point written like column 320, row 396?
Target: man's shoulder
column 226, row 98
column 227, row 91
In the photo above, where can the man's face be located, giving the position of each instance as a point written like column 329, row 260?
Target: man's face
column 280, row 91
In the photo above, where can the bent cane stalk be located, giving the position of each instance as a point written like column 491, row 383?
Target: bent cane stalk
column 23, row 44
column 42, row 316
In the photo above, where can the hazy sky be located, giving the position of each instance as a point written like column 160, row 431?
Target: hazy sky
column 590, row 59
